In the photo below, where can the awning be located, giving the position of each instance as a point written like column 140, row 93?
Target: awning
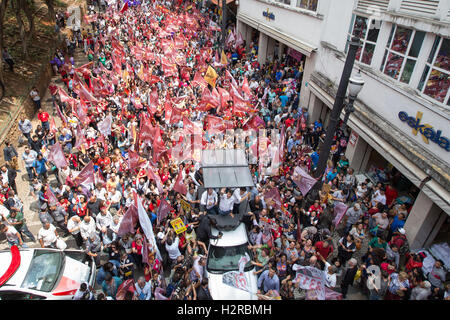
column 290, row 41
column 410, row 170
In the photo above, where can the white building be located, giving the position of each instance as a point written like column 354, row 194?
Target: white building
column 402, row 115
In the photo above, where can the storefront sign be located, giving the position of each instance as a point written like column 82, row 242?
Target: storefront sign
column 426, row 130
column 353, row 138
column 269, row 15
column 178, row 225
column 295, row 54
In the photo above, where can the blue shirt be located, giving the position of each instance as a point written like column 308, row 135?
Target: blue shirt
column 278, row 75
column 284, row 100
column 397, row 224
column 40, row 165
column 269, row 283
column 315, row 158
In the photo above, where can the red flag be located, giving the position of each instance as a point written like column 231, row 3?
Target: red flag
column 303, row 180
column 214, row 124
column 56, row 155
column 86, row 176
column 229, row 77
column 224, row 98
column 255, row 123
column 151, row 175
column 158, row 145
column 209, row 101
column 239, row 40
column 52, row 199
column 163, row 210
column 273, row 195
column 176, row 115
column 124, row 8
column 199, row 80
column 246, row 88
column 179, row 184
column 134, row 160
column 129, row 220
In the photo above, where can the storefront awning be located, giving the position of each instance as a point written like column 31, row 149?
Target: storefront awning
column 410, row 170
column 276, row 34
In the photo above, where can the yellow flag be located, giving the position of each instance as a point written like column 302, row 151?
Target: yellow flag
column 211, row 76
column 223, row 58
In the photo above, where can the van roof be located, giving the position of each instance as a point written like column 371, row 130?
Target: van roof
column 226, row 168
column 230, row 238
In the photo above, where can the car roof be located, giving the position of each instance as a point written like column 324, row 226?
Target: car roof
column 25, row 259
column 231, row 238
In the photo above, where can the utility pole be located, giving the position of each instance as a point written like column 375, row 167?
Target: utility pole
column 334, row 116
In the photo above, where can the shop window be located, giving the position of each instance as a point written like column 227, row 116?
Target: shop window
column 367, row 30
column 401, row 53
column 435, row 78
column 307, row 4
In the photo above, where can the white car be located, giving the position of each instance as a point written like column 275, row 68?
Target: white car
column 38, row 274
column 223, row 256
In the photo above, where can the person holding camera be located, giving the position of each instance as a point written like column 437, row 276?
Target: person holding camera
column 204, row 230
column 171, row 244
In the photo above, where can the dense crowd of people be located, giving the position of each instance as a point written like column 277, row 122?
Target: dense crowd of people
column 126, row 118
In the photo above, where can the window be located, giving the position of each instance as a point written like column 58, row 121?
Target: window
column 43, row 271
column 435, row 78
column 401, row 53
column 224, row 259
column 307, row 4
column 367, row 30
column 284, row 1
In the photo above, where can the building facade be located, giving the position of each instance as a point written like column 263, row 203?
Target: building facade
column 401, row 121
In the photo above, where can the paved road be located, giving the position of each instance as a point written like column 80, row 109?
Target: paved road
column 31, row 207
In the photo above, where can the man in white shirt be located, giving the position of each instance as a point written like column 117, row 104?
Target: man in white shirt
column 209, row 200
column 87, row 226
column 104, row 219
column 143, row 289
column 171, row 244
column 239, row 195
column 226, row 203
column 73, row 225
column 48, row 235
column 28, row 158
column 379, row 197
column 12, row 236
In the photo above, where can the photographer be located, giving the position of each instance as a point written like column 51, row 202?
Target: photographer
column 204, row 230
column 171, row 244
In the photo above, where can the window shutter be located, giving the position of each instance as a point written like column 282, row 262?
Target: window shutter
column 427, row 7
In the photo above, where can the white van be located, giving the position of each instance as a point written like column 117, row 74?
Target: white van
column 223, row 256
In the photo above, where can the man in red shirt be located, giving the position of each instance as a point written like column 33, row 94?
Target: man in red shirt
column 43, row 117
column 324, row 249
column 53, row 91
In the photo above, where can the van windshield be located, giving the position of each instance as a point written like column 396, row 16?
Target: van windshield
column 226, row 259
column 43, row 271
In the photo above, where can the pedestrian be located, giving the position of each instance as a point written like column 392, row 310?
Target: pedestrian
column 348, row 276
column 25, row 127
column 40, row 168
column 73, row 226
column 47, row 235
column 34, row 94
column 143, row 289
column 12, row 236
column 29, row 156
column 8, row 176
column 10, row 155
column 43, row 116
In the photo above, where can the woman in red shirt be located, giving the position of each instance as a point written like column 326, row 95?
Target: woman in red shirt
column 136, row 250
